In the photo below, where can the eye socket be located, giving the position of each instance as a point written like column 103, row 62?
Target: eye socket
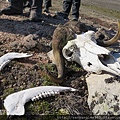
column 69, row 53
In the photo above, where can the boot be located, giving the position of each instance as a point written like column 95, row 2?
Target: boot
column 62, row 15
column 35, row 17
column 16, row 8
column 11, row 11
column 74, row 18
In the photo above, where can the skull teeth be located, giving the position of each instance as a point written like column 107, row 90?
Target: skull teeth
column 40, row 96
column 44, row 94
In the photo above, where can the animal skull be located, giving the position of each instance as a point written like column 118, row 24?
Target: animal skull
column 89, row 55
column 14, row 103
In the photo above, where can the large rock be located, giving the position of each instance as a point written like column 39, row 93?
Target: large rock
column 104, row 94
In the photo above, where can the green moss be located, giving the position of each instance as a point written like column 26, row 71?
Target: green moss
column 63, row 111
column 3, row 117
column 45, row 78
column 73, row 66
column 37, row 107
column 47, row 82
column 7, row 92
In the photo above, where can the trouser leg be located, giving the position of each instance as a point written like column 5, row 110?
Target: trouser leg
column 17, row 4
column 27, row 3
column 36, row 10
column 67, row 6
column 75, row 8
column 47, row 4
column 36, row 6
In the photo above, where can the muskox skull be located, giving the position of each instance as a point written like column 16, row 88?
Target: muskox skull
column 92, row 57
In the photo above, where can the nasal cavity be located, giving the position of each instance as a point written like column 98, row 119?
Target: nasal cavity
column 89, row 64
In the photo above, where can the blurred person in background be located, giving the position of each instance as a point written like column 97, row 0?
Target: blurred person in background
column 67, row 6
column 16, row 8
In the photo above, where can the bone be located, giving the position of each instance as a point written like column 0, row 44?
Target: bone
column 5, row 59
column 51, row 56
column 8, row 0
column 37, row 97
column 14, row 103
column 52, row 93
column 46, row 94
column 92, row 57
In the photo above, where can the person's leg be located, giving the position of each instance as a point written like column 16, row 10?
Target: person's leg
column 27, row 3
column 67, row 6
column 75, row 9
column 66, row 9
column 47, row 4
column 36, row 10
column 15, row 8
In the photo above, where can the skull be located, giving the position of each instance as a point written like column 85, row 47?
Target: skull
column 92, row 57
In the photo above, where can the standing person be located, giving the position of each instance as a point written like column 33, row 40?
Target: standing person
column 67, row 5
column 47, row 4
column 16, row 8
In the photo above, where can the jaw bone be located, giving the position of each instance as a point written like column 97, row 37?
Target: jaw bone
column 5, row 59
column 89, row 55
column 14, row 103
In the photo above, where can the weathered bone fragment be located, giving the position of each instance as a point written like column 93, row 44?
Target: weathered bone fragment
column 14, row 103
column 89, row 55
column 5, row 59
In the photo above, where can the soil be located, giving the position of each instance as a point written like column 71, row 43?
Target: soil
column 29, row 72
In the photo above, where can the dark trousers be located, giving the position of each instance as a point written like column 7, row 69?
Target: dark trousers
column 74, row 4
column 47, row 4
column 17, row 4
column 36, row 5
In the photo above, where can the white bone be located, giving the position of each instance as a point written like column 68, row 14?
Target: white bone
column 46, row 94
column 40, row 95
column 37, row 97
column 87, row 53
column 14, row 103
column 49, row 94
column 51, row 56
column 8, row 0
column 43, row 94
column 5, row 59
column 52, row 92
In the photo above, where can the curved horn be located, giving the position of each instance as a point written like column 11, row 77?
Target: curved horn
column 57, row 46
column 52, row 78
column 112, row 40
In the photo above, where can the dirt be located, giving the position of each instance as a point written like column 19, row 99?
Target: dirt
column 29, row 72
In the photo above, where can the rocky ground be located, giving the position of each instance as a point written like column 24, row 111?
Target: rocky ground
column 18, row 34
